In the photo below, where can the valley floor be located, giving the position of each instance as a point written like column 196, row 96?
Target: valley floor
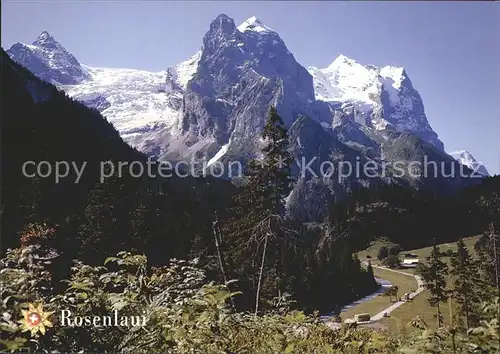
column 381, row 305
column 405, row 283
column 402, row 312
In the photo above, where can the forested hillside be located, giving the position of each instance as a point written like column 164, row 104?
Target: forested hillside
column 414, row 219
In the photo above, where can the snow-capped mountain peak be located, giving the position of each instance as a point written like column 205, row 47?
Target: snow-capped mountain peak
column 138, row 102
column 49, row 60
column 384, row 98
column 223, row 26
column 45, row 38
column 340, row 60
column 466, row 159
column 343, row 80
column 241, row 70
column 255, row 25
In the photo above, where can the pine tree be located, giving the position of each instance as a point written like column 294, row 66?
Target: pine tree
column 494, row 241
column 488, row 251
column 261, row 206
column 269, row 180
column 465, row 288
column 489, row 204
column 434, row 275
column 369, row 270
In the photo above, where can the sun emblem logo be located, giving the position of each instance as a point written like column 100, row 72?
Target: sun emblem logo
column 35, row 319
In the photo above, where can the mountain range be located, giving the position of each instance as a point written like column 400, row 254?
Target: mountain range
column 213, row 107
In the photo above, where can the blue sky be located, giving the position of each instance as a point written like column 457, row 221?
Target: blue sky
column 451, row 50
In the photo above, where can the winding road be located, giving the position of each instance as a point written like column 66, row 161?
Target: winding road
column 388, row 310
column 420, row 288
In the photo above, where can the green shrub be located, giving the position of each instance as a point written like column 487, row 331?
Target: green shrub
column 184, row 314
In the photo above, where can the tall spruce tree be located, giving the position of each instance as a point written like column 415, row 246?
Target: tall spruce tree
column 261, row 207
column 488, row 247
column 488, row 251
column 465, row 288
column 269, row 180
column 434, row 274
column 494, row 242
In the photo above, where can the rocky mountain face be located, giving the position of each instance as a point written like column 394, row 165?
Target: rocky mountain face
column 241, row 72
column 48, row 60
column 213, row 106
column 465, row 158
